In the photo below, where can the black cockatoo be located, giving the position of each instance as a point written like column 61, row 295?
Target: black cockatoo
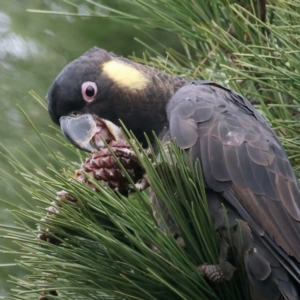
column 244, row 165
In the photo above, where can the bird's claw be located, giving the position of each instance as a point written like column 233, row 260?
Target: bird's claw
column 142, row 185
column 128, row 153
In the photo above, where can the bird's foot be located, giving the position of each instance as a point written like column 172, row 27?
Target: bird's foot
column 143, row 184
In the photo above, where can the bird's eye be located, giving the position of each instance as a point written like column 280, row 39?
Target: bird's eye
column 89, row 90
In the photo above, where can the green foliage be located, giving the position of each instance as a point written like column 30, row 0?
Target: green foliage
column 106, row 240
column 104, row 243
column 250, row 46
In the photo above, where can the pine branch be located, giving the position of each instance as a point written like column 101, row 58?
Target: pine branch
column 104, row 243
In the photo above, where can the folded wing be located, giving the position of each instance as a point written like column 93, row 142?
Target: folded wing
column 242, row 159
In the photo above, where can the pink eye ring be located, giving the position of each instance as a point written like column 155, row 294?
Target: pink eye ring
column 89, row 91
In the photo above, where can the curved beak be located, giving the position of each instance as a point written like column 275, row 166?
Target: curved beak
column 83, row 129
column 79, row 130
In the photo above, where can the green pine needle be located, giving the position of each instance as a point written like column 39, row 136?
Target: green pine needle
column 105, row 240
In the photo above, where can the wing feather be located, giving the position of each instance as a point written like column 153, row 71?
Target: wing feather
column 232, row 164
column 187, row 130
column 257, row 155
column 242, row 158
column 216, row 159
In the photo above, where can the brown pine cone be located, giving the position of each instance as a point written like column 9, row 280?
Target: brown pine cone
column 102, row 166
column 52, row 211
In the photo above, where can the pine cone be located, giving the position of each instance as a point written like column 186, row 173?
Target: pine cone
column 52, row 211
column 102, row 166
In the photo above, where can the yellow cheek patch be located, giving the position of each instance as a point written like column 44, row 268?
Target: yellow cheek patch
column 125, row 76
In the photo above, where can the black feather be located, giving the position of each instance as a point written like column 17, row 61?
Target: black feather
column 242, row 158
